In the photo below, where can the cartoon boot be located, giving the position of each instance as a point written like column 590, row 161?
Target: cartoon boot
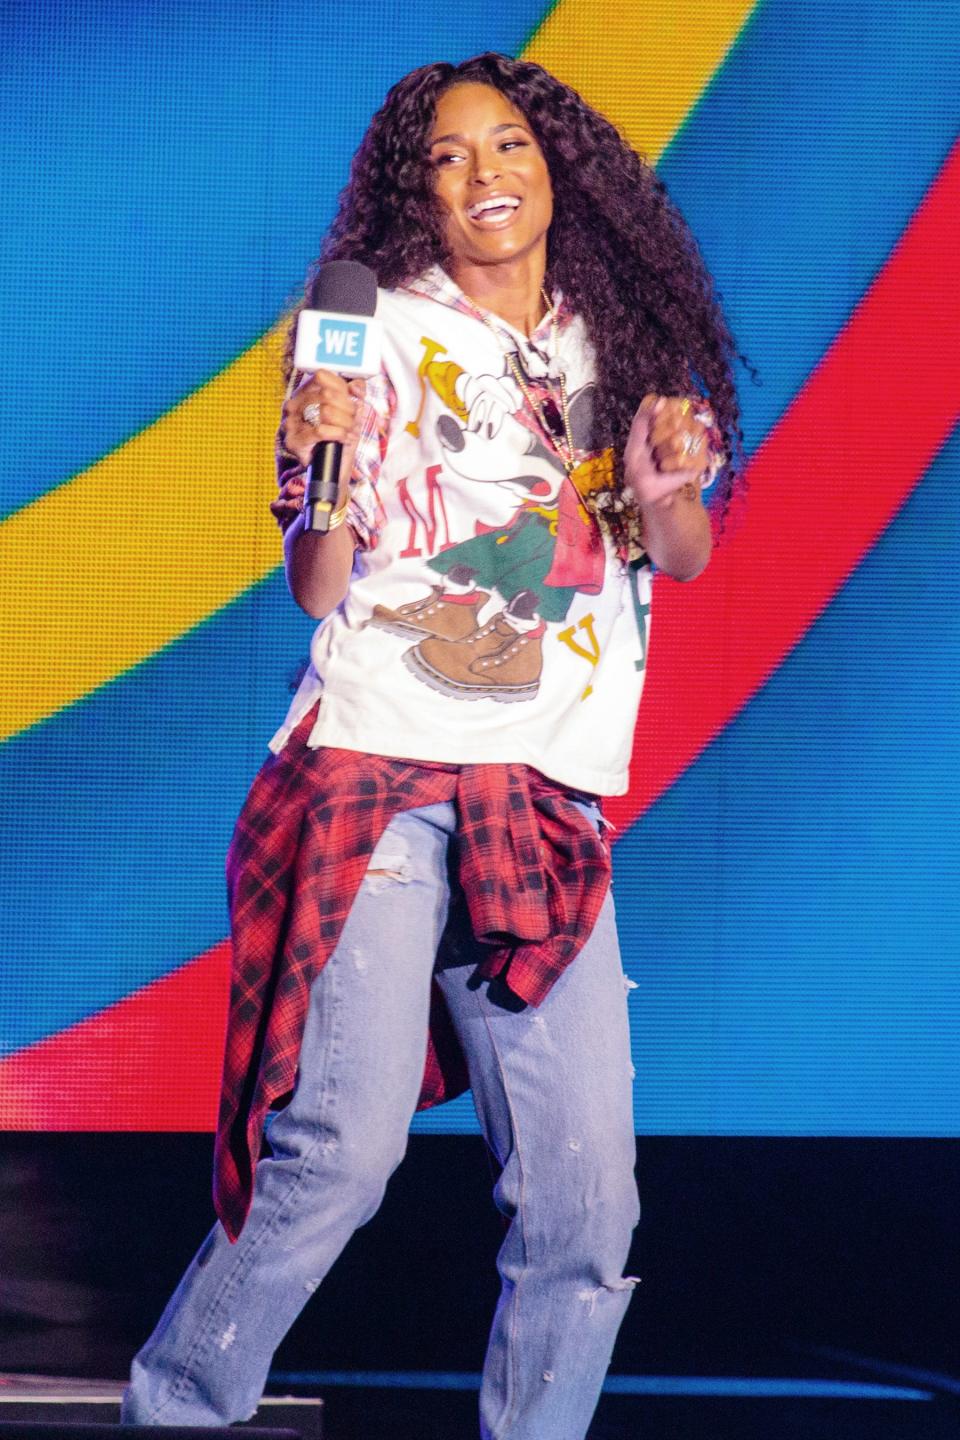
column 502, row 660
column 451, row 610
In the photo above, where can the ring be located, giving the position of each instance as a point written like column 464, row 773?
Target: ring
column 311, row 413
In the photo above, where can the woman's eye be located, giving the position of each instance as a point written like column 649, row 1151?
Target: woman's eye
column 444, row 159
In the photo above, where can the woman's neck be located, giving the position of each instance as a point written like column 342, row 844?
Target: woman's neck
column 513, row 291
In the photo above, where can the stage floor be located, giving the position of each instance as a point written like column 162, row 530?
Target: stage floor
column 419, row 1406
column 436, row 1415
column 841, row 1402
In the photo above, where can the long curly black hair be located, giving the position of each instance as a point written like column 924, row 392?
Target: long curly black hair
column 618, row 248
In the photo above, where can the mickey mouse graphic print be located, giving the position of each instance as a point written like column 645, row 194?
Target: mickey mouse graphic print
column 488, row 619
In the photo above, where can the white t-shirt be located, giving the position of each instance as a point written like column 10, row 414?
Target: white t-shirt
column 487, row 620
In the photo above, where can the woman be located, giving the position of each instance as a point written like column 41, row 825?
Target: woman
column 419, row 882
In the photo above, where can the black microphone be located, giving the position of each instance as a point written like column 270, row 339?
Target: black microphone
column 337, row 333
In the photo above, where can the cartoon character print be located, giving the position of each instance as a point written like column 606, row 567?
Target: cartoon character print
column 530, row 568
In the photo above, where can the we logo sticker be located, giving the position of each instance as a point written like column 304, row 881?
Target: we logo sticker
column 340, row 340
column 349, row 344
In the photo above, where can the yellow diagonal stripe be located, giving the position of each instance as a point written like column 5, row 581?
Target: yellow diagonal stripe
column 135, row 551
column 643, row 65
column 105, row 570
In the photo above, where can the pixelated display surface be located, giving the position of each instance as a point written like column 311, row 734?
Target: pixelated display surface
column 787, row 855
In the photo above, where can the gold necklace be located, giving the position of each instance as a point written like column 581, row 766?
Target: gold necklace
column 564, row 448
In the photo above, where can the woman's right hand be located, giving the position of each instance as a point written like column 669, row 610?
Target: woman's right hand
column 332, row 407
column 318, row 563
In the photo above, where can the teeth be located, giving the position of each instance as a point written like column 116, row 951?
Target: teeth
column 496, row 202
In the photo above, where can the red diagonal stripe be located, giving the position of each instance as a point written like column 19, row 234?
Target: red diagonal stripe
column 825, row 482
column 150, row 1062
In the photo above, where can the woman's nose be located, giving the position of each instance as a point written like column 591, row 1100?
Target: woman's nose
column 485, row 169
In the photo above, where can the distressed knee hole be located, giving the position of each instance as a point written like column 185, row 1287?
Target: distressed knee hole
column 590, row 1297
column 228, row 1336
column 391, row 870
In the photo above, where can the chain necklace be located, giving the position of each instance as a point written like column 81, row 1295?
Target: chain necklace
column 561, row 444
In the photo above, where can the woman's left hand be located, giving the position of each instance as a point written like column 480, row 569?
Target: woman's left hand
column 668, row 447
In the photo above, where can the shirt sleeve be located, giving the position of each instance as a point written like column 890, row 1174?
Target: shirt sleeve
column 366, row 515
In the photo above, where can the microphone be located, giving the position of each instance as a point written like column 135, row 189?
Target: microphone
column 340, row 334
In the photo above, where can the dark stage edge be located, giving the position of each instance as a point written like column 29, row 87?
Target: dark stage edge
column 362, row 1414
column 406, row 1408
column 32, row 1403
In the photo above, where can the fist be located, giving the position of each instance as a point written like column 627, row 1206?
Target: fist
column 324, row 406
column 668, row 447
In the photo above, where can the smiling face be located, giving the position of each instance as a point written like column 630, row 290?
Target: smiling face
column 492, row 179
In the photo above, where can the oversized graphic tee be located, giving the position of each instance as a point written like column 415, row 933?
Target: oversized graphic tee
column 488, row 619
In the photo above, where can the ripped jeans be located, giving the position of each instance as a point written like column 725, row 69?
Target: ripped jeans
column 552, row 1087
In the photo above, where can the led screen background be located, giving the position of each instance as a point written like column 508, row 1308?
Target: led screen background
column 786, row 867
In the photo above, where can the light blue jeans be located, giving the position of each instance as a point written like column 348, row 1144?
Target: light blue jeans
column 552, row 1087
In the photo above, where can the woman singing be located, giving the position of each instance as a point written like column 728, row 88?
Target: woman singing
column 419, row 880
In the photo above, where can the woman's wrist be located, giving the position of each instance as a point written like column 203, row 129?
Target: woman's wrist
column 318, row 565
column 688, row 491
column 339, row 514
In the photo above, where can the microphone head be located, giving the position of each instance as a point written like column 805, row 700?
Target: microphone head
column 344, row 287
column 339, row 331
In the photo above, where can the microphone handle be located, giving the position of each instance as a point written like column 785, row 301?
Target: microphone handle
column 323, row 486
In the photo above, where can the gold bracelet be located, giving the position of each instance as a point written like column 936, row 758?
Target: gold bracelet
column 337, row 517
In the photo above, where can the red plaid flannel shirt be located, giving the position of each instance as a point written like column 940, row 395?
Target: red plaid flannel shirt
column 533, row 871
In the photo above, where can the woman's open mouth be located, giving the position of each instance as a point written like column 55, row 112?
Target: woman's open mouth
column 493, row 211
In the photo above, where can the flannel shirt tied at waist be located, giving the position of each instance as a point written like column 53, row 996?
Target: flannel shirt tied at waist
column 533, row 872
